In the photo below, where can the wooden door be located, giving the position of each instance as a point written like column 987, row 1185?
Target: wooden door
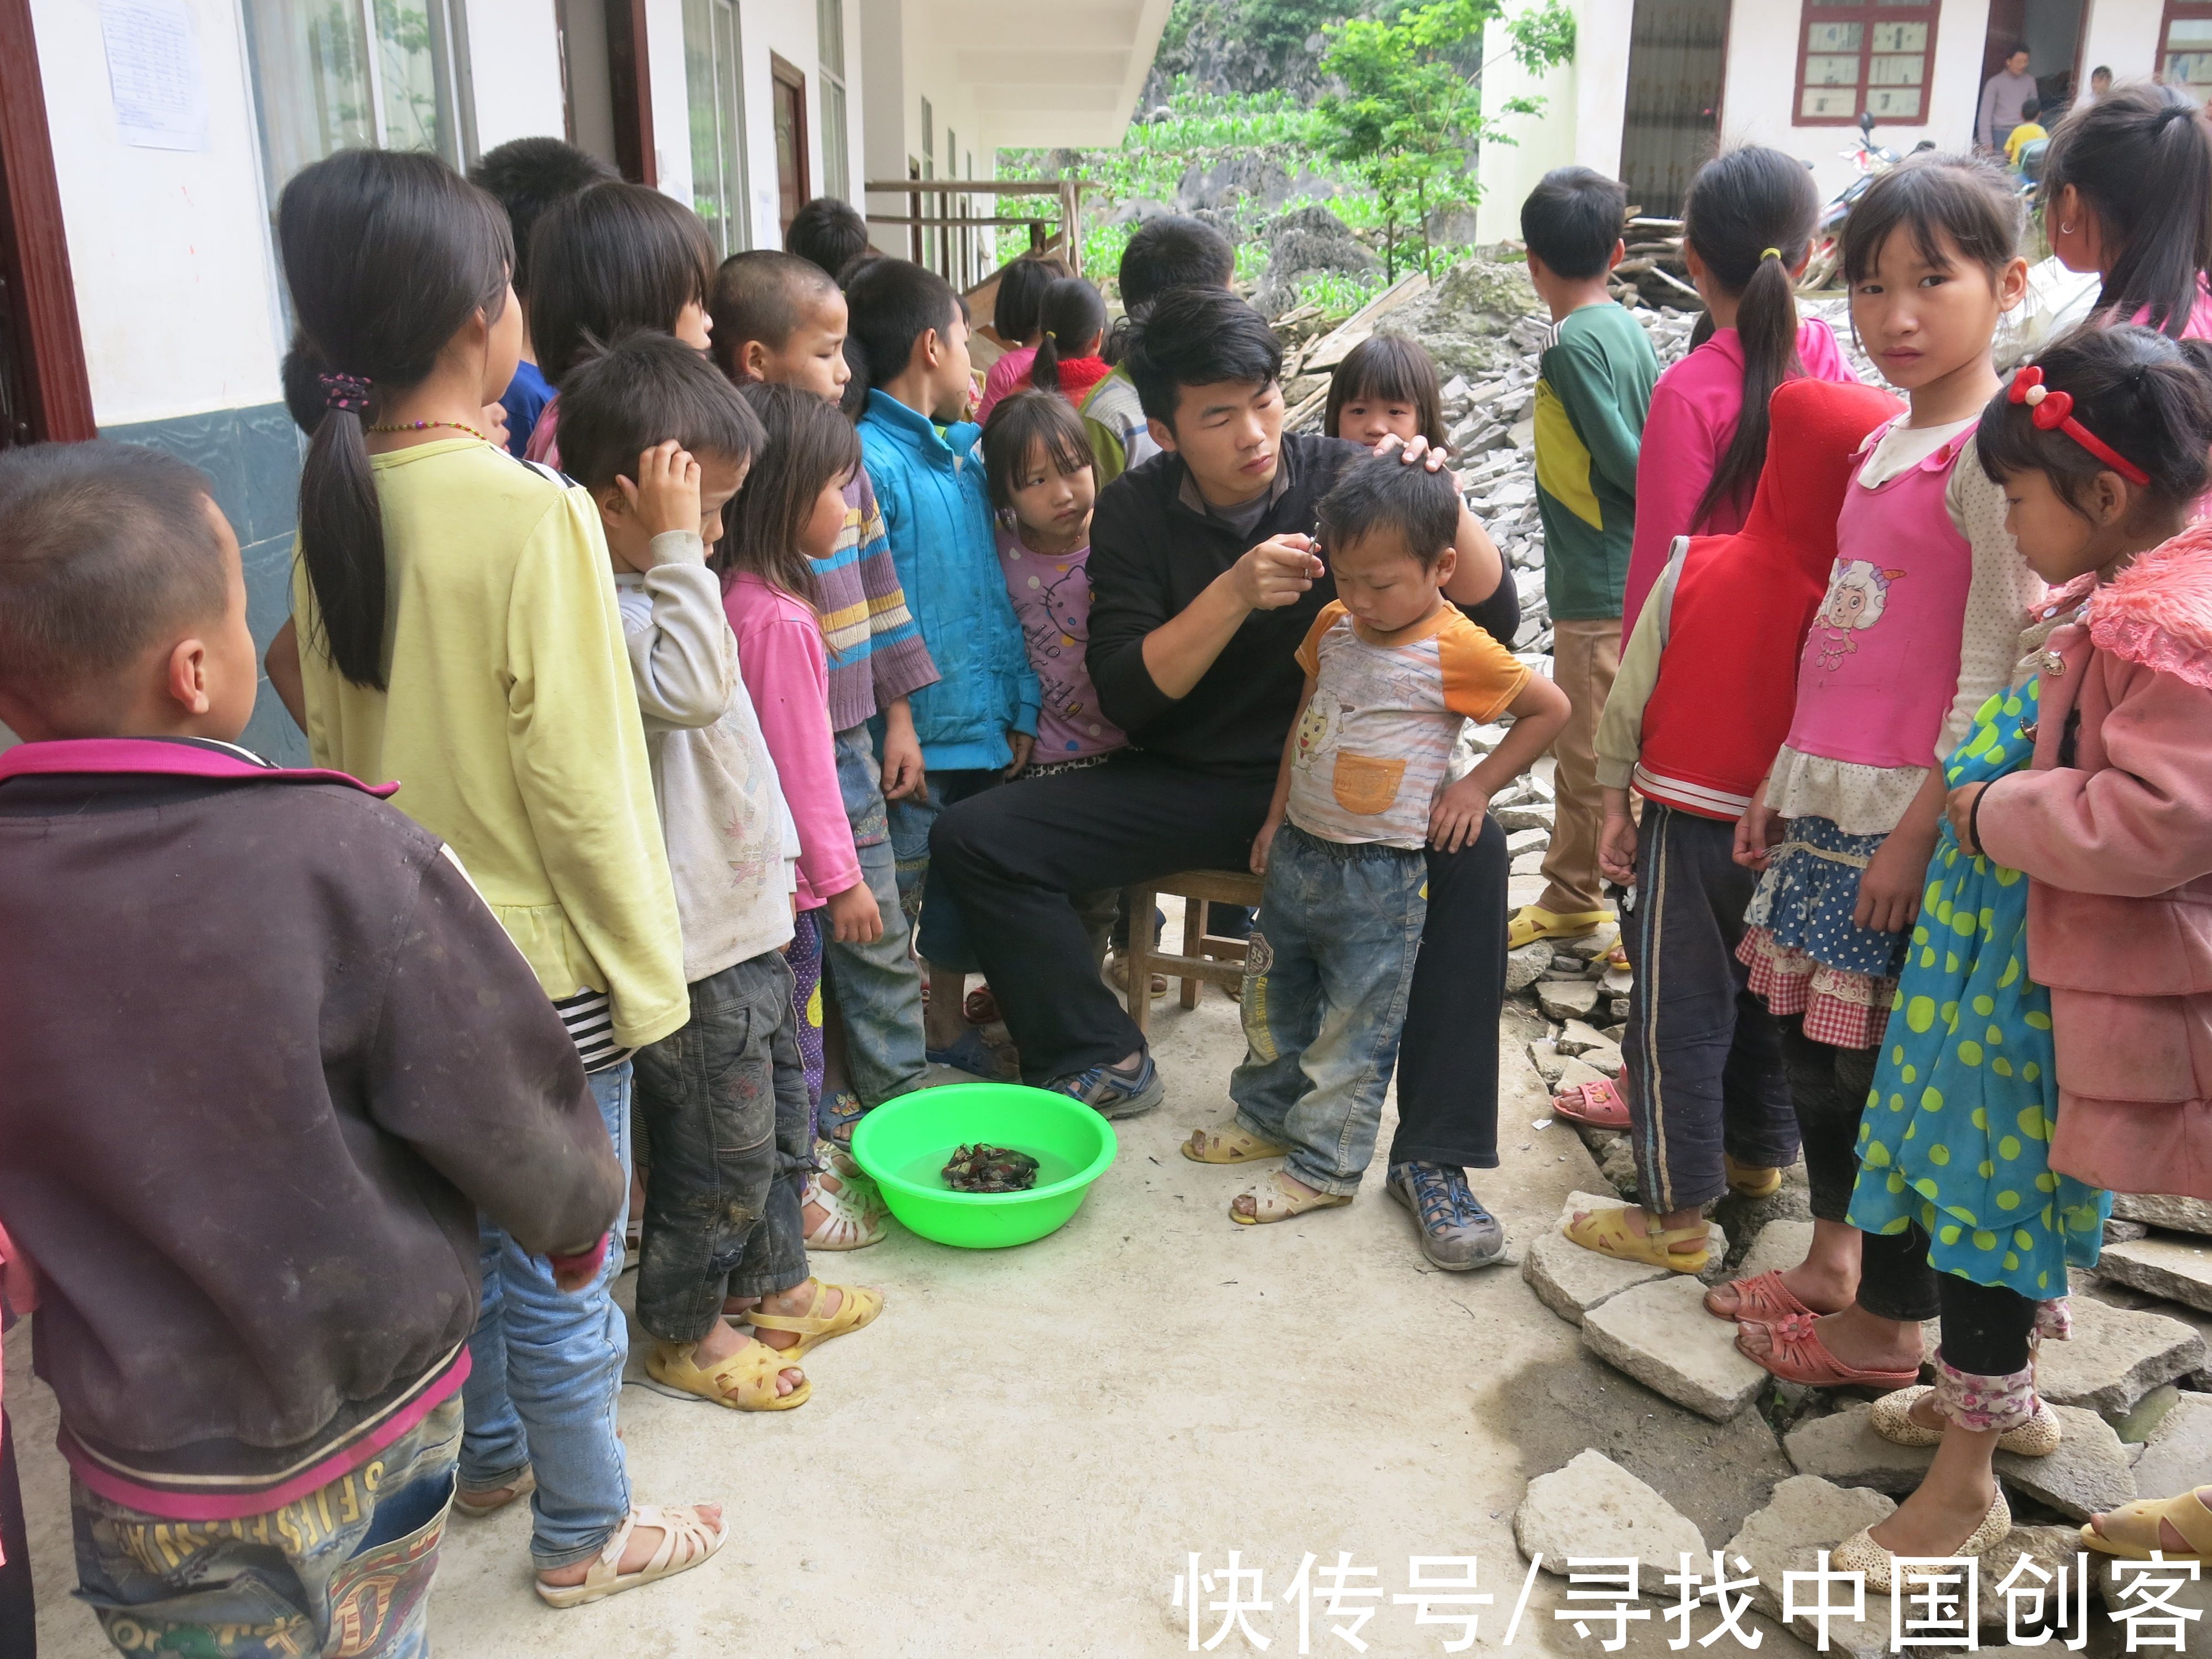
column 789, row 87
column 45, row 393
column 1677, row 56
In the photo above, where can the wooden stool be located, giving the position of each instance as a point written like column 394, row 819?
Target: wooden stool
column 1208, row 957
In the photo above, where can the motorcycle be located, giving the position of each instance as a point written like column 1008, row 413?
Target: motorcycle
column 1872, row 161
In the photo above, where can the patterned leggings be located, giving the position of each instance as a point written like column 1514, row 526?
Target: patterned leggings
column 805, row 959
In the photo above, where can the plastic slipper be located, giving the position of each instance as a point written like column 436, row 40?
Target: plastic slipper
column 686, row 1540
column 473, row 1506
column 1118, row 971
column 1893, row 1421
column 745, row 1382
column 2132, row 1529
column 1617, row 957
column 1765, row 1300
column 1275, row 1201
column 1229, row 1146
column 1607, row 1232
column 1796, row 1354
column 845, row 1224
column 970, row 1052
column 1532, row 922
column 980, row 1006
column 1600, row 1105
column 861, row 1304
column 1749, row 1181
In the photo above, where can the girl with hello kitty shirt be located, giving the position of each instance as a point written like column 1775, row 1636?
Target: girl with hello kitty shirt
column 1920, row 625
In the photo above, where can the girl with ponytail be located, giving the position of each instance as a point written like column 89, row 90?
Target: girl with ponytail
column 1072, row 319
column 2127, row 192
column 458, row 631
column 1747, row 229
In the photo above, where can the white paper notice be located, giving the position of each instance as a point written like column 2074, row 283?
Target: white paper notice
column 153, row 72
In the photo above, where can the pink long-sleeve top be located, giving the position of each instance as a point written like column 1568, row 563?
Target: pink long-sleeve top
column 1694, row 411
column 782, row 661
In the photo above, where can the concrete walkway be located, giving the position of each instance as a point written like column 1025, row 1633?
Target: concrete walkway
column 1017, row 1457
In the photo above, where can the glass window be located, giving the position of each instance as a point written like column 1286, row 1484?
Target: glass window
column 344, row 74
column 1864, row 55
column 836, row 156
column 713, row 85
column 2185, row 57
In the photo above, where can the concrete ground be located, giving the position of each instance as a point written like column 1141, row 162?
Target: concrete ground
column 1018, row 1456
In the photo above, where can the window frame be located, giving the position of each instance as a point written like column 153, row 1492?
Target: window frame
column 836, row 133
column 787, row 81
column 2177, row 11
column 1866, row 13
column 732, row 224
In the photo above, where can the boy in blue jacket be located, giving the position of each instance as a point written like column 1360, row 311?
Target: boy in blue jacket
column 908, row 344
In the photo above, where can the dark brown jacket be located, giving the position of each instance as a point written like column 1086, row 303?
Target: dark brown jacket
column 263, row 1053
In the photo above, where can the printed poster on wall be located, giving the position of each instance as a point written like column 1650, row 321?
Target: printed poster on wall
column 155, row 74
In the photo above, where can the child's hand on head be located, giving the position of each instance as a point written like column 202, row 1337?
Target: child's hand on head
column 854, row 917
column 1456, row 819
column 1024, row 746
column 1413, row 449
column 666, row 494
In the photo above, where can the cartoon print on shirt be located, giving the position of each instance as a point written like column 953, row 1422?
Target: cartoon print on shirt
column 1067, row 596
column 1858, row 593
column 1318, row 729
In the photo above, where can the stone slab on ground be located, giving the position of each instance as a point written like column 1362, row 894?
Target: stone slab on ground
column 2181, row 1215
column 2115, row 1357
column 2178, row 1268
column 1780, row 1246
column 1571, row 1280
column 2178, row 1453
column 2089, row 1471
column 1593, row 1507
column 1566, row 998
column 1525, row 966
column 1548, row 1061
column 1578, row 1037
column 1660, row 1334
column 1807, row 1515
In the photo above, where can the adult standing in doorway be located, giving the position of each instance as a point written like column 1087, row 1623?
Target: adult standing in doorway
column 1203, row 584
column 2003, row 95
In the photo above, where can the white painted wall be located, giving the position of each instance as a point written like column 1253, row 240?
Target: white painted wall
column 169, row 249
column 514, row 66
column 671, row 104
column 1585, row 108
column 2122, row 34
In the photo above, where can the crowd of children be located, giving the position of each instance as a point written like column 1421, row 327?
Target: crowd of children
column 705, row 634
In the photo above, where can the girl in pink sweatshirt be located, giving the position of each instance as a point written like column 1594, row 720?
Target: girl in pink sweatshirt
column 790, row 514
column 1747, row 230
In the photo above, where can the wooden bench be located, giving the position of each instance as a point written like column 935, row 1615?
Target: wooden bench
column 1210, row 957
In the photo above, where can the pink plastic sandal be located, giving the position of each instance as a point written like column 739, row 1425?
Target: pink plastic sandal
column 1598, row 1104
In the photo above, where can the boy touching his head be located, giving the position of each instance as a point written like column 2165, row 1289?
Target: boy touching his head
column 261, row 1275
column 778, row 319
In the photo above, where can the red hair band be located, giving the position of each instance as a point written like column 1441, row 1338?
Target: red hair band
column 2052, row 409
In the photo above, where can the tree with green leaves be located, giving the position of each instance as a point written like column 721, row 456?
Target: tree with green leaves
column 1409, row 117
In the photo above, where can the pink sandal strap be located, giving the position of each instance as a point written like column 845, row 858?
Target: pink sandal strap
column 1765, row 1300
column 1796, row 1354
column 1600, row 1104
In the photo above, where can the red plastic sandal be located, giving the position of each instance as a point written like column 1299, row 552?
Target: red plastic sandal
column 1765, row 1300
column 1796, row 1354
column 1598, row 1104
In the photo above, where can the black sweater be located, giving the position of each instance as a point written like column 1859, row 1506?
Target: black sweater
column 1152, row 553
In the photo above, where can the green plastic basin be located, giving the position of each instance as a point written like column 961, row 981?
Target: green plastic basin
column 905, row 1144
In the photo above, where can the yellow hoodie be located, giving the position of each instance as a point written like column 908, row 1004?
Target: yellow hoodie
column 510, row 722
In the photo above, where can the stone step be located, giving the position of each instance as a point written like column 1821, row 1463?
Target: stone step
column 2181, row 1215
column 2175, row 1267
column 2115, row 1358
column 1660, row 1334
column 1595, row 1508
column 1571, row 1280
column 2089, row 1472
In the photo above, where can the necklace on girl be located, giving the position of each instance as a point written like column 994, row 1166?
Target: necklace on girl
column 423, row 426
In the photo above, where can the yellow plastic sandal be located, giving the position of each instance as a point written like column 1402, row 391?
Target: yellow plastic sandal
column 745, row 1382
column 1749, row 1181
column 1607, row 1232
column 2132, row 1531
column 1532, row 922
column 1229, row 1146
column 1275, row 1200
column 861, row 1304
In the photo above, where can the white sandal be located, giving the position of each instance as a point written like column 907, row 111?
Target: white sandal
column 685, row 1541
column 1275, row 1201
column 846, row 1225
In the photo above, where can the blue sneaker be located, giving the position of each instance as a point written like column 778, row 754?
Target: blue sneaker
column 1114, row 1093
column 1457, row 1234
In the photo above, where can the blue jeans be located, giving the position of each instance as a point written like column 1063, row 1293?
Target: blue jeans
column 345, row 1570
column 548, row 1372
column 877, row 988
column 940, row 936
column 1325, row 988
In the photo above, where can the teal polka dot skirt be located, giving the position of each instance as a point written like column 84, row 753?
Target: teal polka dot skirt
column 1956, row 1135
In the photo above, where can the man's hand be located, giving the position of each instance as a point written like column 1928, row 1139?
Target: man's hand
column 1958, row 807
column 1889, row 891
column 1261, row 843
column 1456, row 819
column 1024, row 746
column 665, row 497
column 1757, row 832
column 903, row 766
column 853, row 917
column 1616, row 848
column 1276, row 572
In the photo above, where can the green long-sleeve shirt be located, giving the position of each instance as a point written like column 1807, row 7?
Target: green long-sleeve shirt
column 1593, row 389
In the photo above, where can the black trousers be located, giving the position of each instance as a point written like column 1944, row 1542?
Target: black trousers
column 1828, row 1091
column 1010, row 859
column 19, row 1624
column 1985, row 1326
